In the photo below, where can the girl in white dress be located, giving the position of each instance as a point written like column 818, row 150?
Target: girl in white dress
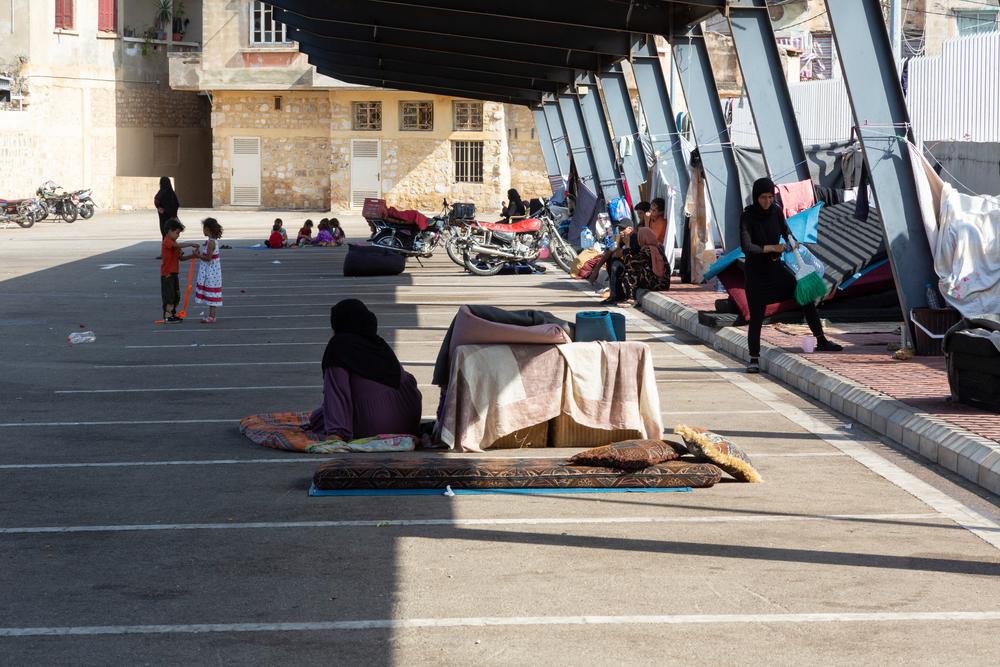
column 208, row 287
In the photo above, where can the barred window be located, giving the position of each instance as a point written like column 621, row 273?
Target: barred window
column 263, row 28
column 366, row 116
column 468, row 156
column 468, row 116
column 416, row 115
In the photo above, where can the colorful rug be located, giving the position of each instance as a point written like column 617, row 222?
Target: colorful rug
column 286, row 430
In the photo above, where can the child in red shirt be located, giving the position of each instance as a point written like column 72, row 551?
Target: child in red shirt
column 171, row 256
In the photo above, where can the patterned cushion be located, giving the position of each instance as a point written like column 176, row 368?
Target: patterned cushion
column 719, row 451
column 422, row 472
column 626, row 455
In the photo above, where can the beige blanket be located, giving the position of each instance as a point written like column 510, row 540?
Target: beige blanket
column 496, row 390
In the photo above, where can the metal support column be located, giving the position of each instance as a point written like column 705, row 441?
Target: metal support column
column 576, row 136
column 711, row 134
column 623, row 124
column 770, row 101
column 882, row 123
column 560, row 143
column 650, row 78
column 548, row 150
column 599, row 134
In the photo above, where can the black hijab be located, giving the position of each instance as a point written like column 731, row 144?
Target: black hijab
column 762, row 186
column 167, row 197
column 515, row 206
column 764, row 226
column 356, row 345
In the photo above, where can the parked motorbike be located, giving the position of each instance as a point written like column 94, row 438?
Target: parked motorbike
column 24, row 212
column 520, row 241
column 53, row 200
column 86, row 203
column 407, row 239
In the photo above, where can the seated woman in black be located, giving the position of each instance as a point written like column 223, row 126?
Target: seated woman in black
column 767, row 281
column 515, row 208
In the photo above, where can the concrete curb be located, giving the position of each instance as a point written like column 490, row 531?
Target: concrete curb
column 974, row 457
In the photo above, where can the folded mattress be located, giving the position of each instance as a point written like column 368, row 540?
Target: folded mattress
column 417, row 472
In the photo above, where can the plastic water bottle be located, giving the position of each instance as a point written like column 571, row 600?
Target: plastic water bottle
column 586, row 239
column 933, row 298
column 78, row 337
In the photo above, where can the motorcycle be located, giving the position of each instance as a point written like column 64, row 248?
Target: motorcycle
column 24, row 212
column 520, row 241
column 53, row 200
column 408, row 239
column 86, row 203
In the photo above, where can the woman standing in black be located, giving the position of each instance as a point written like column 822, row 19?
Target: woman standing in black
column 166, row 203
column 767, row 281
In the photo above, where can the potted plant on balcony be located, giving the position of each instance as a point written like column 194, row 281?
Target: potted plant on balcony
column 181, row 22
column 164, row 12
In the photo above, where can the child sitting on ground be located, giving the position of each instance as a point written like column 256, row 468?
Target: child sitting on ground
column 171, row 256
column 325, row 236
column 336, row 232
column 278, row 237
column 305, row 236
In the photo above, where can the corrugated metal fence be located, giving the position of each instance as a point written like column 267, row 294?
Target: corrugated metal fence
column 951, row 97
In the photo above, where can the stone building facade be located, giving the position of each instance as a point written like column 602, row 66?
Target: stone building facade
column 306, row 143
column 92, row 108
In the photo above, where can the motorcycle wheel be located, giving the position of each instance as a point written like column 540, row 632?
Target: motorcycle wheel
column 43, row 206
column 483, row 265
column 26, row 220
column 69, row 212
column 562, row 254
column 87, row 211
column 453, row 247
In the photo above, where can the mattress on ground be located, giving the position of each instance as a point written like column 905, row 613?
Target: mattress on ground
column 369, row 260
column 417, row 472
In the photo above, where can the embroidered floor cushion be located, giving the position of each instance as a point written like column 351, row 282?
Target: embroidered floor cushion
column 626, row 455
column 436, row 472
column 720, row 451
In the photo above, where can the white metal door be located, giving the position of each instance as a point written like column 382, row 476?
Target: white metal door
column 246, row 171
column 366, row 171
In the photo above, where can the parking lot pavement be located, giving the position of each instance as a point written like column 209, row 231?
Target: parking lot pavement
column 137, row 526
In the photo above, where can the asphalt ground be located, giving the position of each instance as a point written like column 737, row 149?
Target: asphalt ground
column 138, row 527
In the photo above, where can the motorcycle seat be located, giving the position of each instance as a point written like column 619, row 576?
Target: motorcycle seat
column 529, row 225
column 5, row 202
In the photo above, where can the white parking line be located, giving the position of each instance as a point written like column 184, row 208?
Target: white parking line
column 508, row 621
column 285, row 344
column 403, row 523
column 186, row 389
column 140, row 464
column 131, row 422
column 312, row 362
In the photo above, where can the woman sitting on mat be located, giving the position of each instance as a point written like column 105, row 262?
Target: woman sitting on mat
column 645, row 263
column 366, row 392
column 767, row 281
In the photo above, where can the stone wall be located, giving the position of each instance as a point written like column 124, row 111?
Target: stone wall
column 136, row 192
column 153, row 107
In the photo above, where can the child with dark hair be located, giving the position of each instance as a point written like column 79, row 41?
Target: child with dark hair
column 170, row 258
column 208, row 288
column 324, row 236
column 336, row 233
column 278, row 237
column 305, row 236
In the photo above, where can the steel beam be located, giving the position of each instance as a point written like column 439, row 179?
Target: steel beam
column 770, row 102
column 427, row 80
column 432, row 23
column 576, row 135
column 457, row 46
column 623, row 124
column 557, row 130
column 650, row 78
column 548, row 148
column 595, row 123
column 882, row 123
column 428, row 59
column 375, row 82
column 711, row 133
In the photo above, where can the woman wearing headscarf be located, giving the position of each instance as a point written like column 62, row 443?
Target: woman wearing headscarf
column 166, row 203
column 515, row 207
column 762, row 225
column 645, row 263
column 366, row 392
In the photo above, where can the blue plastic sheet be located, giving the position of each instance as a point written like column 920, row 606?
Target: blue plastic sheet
column 804, row 225
column 724, row 262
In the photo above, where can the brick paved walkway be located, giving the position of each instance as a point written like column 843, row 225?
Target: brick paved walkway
column 921, row 382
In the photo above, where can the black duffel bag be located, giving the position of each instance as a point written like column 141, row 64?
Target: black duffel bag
column 463, row 211
column 370, row 260
column 974, row 362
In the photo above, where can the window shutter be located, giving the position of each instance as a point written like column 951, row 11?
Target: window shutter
column 107, row 15
column 64, row 13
